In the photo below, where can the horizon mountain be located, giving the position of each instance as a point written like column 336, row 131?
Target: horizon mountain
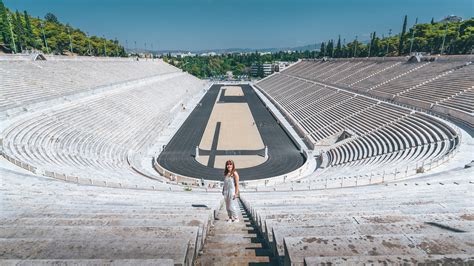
column 310, row 47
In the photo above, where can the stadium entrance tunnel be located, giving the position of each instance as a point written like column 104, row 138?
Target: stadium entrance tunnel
column 231, row 122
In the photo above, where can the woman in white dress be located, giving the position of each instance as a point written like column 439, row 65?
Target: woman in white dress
column 231, row 190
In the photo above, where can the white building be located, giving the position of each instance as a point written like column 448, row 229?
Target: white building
column 267, row 69
column 182, row 55
column 209, row 54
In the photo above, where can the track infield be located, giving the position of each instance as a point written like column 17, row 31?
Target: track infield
column 231, row 122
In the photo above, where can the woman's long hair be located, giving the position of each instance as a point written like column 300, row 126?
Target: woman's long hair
column 226, row 171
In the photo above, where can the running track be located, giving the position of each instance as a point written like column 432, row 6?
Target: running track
column 283, row 155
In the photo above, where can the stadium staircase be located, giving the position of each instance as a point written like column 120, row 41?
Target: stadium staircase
column 236, row 243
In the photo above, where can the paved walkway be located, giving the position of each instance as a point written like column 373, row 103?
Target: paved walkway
column 236, row 243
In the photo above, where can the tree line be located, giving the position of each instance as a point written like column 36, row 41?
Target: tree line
column 238, row 63
column 21, row 33
column 434, row 38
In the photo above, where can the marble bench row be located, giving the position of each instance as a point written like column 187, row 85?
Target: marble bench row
column 26, row 82
column 87, row 224
column 98, row 134
column 368, row 222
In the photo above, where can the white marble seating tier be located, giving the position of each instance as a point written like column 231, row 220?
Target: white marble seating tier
column 23, row 83
column 46, row 221
column 425, row 84
column 93, row 137
column 406, row 218
column 379, row 133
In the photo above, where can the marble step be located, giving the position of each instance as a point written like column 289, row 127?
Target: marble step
column 83, row 233
column 232, row 261
column 187, row 220
column 451, row 259
column 175, row 249
column 297, row 248
column 92, row 262
column 291, row 230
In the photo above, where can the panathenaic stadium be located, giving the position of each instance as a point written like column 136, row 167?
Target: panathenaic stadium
column 363, row 161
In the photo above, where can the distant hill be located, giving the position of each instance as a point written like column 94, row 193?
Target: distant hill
column 310, row 47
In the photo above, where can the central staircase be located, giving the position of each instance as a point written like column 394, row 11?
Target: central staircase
column 237, row 243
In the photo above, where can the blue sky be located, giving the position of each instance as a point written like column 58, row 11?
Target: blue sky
column 212, row 24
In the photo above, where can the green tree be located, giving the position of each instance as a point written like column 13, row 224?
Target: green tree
column 402, row 36
column 18, row 30
column 29, row 36
column 465, row 42
column 195, row 70
column 6, row 36
column 330, row 48
column 373, row 45
column 338, row 52
column 344, row 52
column 260, row 72
column 377, row 46
column 50, row 17
column 322, row 50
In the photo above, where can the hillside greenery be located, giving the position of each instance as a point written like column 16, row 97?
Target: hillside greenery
column 427, row 38
column 239, row 64
column 20, row 33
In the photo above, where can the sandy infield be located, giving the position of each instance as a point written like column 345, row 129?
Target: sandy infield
column 238, row 131
column 233, row 91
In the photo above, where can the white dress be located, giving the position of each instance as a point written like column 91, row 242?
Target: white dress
column 228, row 191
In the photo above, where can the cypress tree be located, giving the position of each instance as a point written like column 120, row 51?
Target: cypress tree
column 322, row 50
column 354, row 45
column 402, row 36
column 5, row 27
column 29, row 31
column 19, row 30
column 338, row 47
column 432, row 21
column 373, row 44
column 330, row 48
column 344, row 49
